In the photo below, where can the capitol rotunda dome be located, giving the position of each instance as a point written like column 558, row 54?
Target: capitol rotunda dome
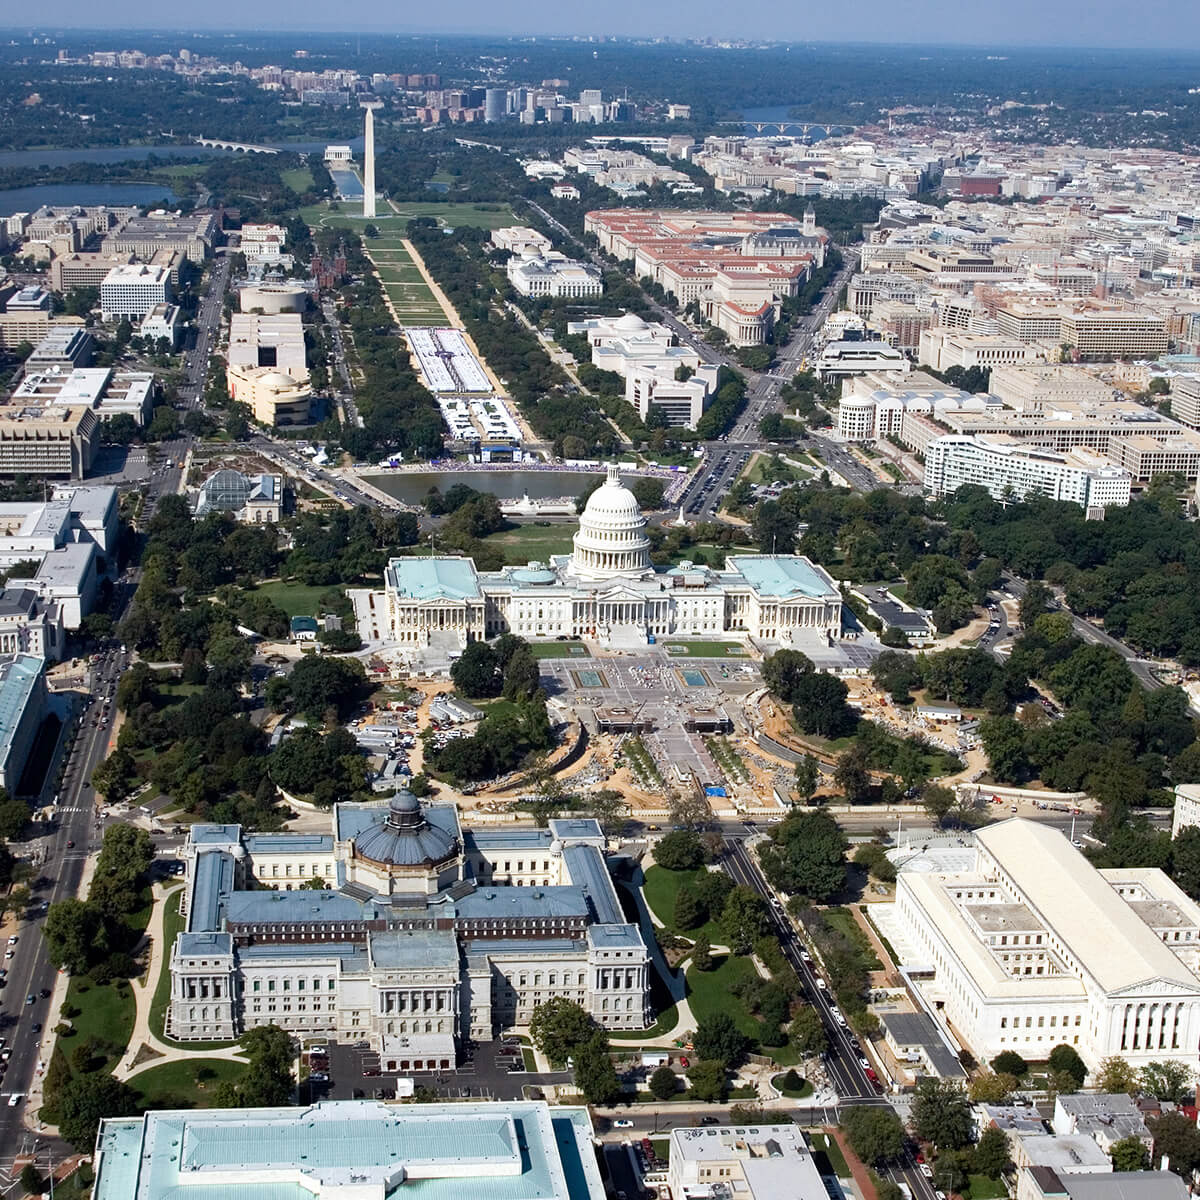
column 611, row 542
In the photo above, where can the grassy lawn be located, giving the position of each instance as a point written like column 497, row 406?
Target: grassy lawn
column 528, row 1059
column 662, row 1148
column 709, row 992
column 105, row 1012
column 299, row 179
column 558, row 649
column 295, row 598
column 175, row 1084
column 980, row 1187
column 660, row 890
column 173, row 925
column 532, row 543
column 835, row 1161
column 761, row 471
column 449, row 213
column 705, row 649
column 482, row 216
column 842, row 919
column 804, row 1090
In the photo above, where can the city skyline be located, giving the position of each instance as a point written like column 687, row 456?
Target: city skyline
column 1163, row 24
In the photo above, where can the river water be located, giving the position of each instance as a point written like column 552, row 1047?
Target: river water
column 413, row 487
column 114, row 154
column 30, row 199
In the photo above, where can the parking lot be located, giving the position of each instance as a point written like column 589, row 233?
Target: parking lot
column 485, row 1070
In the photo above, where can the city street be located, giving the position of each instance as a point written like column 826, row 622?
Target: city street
column 74, row 835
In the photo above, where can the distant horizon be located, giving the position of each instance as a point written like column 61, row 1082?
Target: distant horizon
column 975, row 32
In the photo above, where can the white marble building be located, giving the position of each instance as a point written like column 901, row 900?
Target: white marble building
column 607, row 590
column 403, row 929
column 1034, row 947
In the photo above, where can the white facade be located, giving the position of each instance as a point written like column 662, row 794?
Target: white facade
column 133, row 290
column 553, row 274
column 1033, row 948
column 162, row 321
column 1187, row 808
column 519, row 239
column 945, row 348
column 868, row 415
column 682, row 404
column 1009, row 468
column 839, row 359
column 607, row 590
column 433, row 935
column 761, row 1162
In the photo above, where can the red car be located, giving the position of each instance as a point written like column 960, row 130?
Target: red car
column 683, row 1062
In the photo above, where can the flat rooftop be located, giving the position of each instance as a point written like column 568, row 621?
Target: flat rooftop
column 359, row 1148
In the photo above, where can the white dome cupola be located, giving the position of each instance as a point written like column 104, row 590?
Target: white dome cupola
column 611, row 542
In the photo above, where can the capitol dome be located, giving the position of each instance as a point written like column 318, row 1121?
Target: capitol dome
column 611, row 542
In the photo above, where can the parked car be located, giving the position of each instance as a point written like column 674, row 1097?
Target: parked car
column 623, row 1123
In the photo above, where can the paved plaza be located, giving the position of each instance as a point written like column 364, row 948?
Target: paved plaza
column 662, row 691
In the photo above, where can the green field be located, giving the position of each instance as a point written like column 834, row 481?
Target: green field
column 177, row 1085
column 532, row 543
column 558, row 649
column 705, row 649
column 105, row 1012
column 295, row 598
column 449, row 213
column 842, row 919
column 824, row 1146
column 709, row 992
column 299, row 179
column 660, row 889
column 411, row 297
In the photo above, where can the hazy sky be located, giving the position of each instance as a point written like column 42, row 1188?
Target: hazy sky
column 1173, row 24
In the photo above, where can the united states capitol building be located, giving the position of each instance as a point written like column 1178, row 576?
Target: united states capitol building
column 403, row 929
column 606, row 590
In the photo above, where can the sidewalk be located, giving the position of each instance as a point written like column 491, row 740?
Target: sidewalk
column 143, row 1039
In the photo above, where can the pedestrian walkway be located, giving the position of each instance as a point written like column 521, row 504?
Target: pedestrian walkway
column 144, row 1039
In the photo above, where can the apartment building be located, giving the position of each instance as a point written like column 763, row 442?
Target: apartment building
column 1012, row 470
column 681, row 403
column 54, row 441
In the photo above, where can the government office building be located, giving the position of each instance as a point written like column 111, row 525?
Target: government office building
column 1032, row 947
column 403, row 929
column 607, row 589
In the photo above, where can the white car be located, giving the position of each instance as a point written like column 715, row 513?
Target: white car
column 926, row 1170
column 623, row 1123
column 804, row 954
column 822, row 984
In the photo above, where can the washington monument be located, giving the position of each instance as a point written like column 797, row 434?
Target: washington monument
column 369, row 163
